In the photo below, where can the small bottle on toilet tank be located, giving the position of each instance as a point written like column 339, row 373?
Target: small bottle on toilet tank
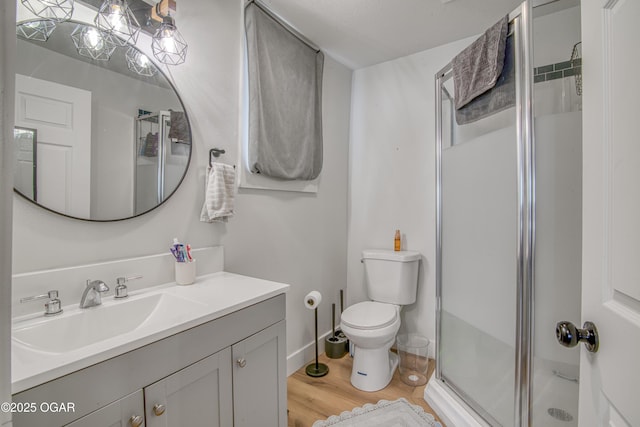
column 396, row 241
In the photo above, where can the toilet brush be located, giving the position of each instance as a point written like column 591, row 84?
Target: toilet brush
column 334, row 346
column 339, row 332
column 312, row 300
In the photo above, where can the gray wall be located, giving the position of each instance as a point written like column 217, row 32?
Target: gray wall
column 301, row 238
column 7, row 50
column 392, row 170
column 295, row 238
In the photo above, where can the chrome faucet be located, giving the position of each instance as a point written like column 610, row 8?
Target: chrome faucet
column 92, row 295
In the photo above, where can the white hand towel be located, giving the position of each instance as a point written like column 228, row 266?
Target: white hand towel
column 219, row 193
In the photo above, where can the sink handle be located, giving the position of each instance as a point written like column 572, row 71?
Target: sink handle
column 51, row 307
column 121, row 289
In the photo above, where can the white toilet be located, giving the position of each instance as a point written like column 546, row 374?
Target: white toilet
column 391, row 281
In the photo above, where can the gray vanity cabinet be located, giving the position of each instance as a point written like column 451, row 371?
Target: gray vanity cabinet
column 227, row 372
column 259, row 391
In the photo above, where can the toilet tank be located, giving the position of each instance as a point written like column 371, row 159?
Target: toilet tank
column 391, row 276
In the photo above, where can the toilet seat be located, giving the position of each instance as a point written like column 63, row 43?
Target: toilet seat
column 369, row 315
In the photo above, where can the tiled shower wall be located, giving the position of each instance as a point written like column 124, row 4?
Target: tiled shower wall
column 557, row 70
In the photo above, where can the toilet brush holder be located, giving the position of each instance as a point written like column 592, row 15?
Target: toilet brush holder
column 335, row 347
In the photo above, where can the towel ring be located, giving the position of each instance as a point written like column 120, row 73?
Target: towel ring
column 215, row 152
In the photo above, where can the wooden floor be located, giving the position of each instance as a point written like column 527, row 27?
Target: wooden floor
column 311, row 399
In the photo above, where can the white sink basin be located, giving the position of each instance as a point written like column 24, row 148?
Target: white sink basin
column 45, row 348
column 79, row 328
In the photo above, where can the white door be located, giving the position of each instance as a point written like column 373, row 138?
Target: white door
column 609, row 379
column 62, row 116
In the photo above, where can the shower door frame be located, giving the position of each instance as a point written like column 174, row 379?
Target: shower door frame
column 521, row 19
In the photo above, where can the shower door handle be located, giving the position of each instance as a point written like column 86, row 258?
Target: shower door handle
column 569, row 336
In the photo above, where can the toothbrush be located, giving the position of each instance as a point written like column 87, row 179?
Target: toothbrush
column 189, row 253
column 178, row 250
column 174, row 252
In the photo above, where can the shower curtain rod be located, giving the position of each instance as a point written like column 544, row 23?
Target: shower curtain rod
column 284, row 23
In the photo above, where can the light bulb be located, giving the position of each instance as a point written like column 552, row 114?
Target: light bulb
column 142, row 60
column 116, row 17
column 93, row 39
column 168, row 44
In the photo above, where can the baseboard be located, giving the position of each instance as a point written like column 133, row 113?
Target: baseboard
column 304, row 355
column 450, row 411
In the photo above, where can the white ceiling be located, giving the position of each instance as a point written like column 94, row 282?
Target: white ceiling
column 359, row 33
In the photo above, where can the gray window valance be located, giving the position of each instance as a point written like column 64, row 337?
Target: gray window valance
column 285, row 100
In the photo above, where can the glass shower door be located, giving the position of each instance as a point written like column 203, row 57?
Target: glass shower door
column 478, row 224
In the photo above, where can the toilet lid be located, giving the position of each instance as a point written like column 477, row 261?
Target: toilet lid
column 369, row 315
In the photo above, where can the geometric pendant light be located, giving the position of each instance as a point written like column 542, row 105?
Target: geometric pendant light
column 140, row 63
column 55, row 10
column 36, row 30
column 167, row 44
column 116, row 18
column 93, row 43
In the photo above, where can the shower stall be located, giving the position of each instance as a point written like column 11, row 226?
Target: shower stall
column 508, row 219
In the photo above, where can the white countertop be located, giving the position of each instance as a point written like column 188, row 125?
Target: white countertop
column 217, row 295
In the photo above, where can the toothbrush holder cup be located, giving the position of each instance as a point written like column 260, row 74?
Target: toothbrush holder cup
column 185, row 272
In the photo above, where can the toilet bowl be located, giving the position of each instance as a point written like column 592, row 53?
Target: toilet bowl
column 372, row 328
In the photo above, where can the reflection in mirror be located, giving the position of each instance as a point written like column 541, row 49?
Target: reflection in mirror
column 113, row 138
column 24, row 178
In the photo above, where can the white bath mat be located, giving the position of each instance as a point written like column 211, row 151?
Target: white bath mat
column 398, row 413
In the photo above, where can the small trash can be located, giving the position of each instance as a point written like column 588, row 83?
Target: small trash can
column 414, row 358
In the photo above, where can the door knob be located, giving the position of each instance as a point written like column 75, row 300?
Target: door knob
column 569, row 336
column 242, row 362
column 158, row 409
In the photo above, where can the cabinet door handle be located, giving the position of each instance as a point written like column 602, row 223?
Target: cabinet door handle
column 159, row 409
column 136, row 421
column 242, row 362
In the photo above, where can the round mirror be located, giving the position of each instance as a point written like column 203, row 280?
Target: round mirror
column 101, row 133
